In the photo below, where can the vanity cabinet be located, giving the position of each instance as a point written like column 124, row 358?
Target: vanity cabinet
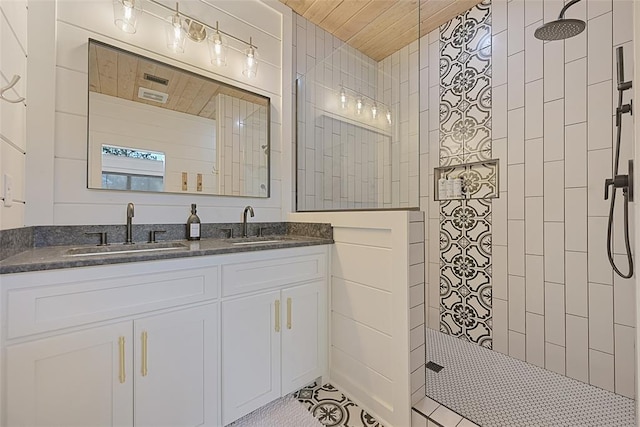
column 162, row 342
column 270, row 346
column 153, row 371
column 71, row 379
column 175, row 365
column 273, row 341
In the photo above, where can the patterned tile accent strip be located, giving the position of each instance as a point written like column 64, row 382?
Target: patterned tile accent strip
column 495, row 390
column 465, row 137
column 332, row 408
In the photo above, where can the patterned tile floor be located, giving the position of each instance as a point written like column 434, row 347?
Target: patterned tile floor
column 332, row 408
column 495, row 390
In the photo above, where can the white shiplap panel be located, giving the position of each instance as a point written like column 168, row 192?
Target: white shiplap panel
column 362, row 343
column 13, row 60
column 366, row 305
column 13, row 119
column 363, row 264
column 364, row 236
column 374, row 390
column 16, row 13
column 13, row 163
column 12, row 217
column 71, row 136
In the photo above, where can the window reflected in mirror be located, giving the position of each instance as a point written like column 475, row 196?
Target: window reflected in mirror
column 132, row 169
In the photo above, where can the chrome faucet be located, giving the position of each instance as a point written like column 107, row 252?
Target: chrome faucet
column 244, row 219
column 129, row 240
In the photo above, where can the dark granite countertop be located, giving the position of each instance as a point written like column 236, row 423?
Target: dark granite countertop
column 73, row 255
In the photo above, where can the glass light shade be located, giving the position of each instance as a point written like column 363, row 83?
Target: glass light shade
column 218, row 49
column 374, row 111
column 343, row 98
column 250, row 69
column 126, row 13
column 388, row 115
column 359, row 105
column 175, row 34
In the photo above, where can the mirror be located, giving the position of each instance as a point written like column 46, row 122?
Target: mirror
column 155, row 127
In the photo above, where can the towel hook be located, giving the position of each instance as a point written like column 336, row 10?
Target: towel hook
column 13, row 82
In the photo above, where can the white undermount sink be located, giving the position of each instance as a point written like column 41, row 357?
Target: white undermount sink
column 124, row 249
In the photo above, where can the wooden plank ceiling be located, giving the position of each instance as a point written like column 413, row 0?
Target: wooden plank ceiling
column 116, row 73
column 379, row 28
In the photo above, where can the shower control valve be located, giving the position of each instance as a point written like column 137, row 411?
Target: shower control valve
column 620, row 181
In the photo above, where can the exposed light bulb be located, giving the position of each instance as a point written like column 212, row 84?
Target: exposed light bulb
column 388, row 115
column 359, row 105
column 128, row 10
column 374, row 111
column 251, row 61
column 343, row 98
column 218, row 48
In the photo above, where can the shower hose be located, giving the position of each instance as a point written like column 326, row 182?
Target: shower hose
column 625, row 193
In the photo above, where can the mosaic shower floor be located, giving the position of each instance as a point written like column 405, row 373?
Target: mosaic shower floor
column 495, row 390
column 332, row 408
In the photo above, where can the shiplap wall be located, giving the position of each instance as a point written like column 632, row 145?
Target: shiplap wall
column 13, row 143
column 63, row 157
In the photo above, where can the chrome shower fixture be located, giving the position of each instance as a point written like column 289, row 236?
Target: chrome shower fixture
column 561, row 28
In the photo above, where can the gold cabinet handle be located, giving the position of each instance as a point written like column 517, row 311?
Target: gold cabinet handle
column 288, row 313
column 277, row 315
column 144, row 354
column 122, row 375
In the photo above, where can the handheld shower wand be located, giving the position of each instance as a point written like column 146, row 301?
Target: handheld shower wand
column 620, row 181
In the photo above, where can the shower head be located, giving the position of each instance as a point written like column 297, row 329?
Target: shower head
column 561, row 28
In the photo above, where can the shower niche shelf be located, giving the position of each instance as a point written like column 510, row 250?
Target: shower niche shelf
column 480, row 180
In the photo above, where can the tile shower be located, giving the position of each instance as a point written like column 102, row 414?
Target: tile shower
column 524, row 273
column 547, row 293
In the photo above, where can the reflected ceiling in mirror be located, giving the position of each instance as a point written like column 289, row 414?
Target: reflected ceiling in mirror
column 155, row 127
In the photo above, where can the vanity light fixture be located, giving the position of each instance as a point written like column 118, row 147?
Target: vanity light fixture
column 251, row 61
column 181, row 26
column 218, row 48
column 175, row 33
column 125, row 14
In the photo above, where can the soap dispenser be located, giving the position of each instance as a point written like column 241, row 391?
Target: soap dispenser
column 193, row 224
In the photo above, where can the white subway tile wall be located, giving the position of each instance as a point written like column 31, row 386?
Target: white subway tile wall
column 349, row 159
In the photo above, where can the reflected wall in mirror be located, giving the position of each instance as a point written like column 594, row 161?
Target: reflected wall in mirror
column 155, row 127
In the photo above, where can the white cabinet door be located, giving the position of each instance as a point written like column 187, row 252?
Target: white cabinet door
column 77, row 379
column 175, row 368
column 250, row 354
column 301, row 358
